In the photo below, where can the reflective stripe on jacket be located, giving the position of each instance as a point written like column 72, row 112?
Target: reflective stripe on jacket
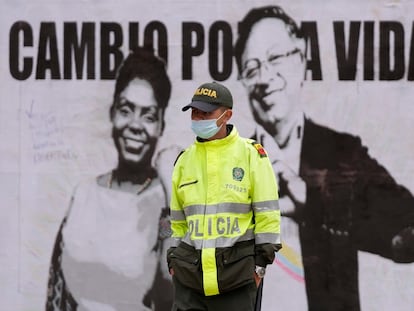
column 224, row 194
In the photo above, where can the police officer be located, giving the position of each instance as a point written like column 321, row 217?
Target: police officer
column 225, row 217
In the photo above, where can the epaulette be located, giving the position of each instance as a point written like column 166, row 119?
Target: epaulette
column 260, row 150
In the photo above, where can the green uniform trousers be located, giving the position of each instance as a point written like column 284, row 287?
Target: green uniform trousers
column 240, row 299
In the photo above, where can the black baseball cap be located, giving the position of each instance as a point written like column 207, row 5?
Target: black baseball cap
column 210, row 96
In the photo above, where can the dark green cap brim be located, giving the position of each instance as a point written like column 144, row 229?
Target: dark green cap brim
column 203, row 106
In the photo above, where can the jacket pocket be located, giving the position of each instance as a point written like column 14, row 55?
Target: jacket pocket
column 186, row 262
column 235, row 266
column 188, row 183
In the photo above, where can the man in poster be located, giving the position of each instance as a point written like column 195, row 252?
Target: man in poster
column 335, row 198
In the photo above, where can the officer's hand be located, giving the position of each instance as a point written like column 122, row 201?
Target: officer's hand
column 292, row 188
column 171, row 271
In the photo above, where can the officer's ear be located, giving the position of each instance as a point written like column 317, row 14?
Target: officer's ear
column 228, row 114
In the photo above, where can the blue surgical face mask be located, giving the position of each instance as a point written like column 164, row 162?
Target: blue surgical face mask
column 206, row 128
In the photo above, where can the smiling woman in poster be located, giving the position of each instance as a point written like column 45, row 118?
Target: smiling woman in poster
column 107, row 251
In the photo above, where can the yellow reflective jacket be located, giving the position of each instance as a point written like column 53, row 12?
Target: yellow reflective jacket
column 225, row 217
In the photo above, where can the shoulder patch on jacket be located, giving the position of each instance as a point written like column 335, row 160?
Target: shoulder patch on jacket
column 260, row 150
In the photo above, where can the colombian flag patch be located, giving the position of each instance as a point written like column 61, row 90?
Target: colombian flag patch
column 260, row 150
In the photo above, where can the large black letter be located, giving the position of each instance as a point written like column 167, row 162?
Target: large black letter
column 386, row 72
column 162, row 46
column 47, row 39
column 313, row 64
column 87, row 43
column 14, row 50
column 190, row 50
column 227, row 46
column 108, row 72
column 347, row 58
column 369, row 51
column 133, row 36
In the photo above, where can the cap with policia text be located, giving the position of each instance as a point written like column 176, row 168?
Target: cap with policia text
column 210, row 96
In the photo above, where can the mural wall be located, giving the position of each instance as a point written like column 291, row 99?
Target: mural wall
column 353, row 66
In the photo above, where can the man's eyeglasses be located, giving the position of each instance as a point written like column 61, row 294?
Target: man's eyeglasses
column 253, row 66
